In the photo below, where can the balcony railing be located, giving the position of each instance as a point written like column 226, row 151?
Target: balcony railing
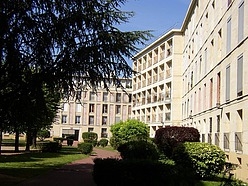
column 167, row 116
column 168, row 73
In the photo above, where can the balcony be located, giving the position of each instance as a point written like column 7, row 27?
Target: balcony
column 161, row 76
column 167, row 116
column 162, row 55
column 168, row 73
column 155, row 59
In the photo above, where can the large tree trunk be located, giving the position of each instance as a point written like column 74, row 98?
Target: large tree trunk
column 1, row 138
column 34, row 137
column 17, row 134
column 28, row 140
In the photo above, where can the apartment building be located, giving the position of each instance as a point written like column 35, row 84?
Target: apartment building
column 208, row 85
column 93, row 112
column 157, row 86
column 215, row 68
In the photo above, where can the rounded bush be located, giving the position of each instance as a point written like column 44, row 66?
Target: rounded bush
column 138, row 150
column 90, row 137
column 169, row 137
column 49, row 146
column 204, row 159
column 85, row 148
column 103, row 142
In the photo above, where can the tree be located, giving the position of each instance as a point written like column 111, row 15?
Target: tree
column 129, row 130
column 42, row 134
column 64, row 45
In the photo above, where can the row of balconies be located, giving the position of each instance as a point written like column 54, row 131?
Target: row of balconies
column 151, row 61
column 161, row 97
column 154, row 79
column 158, row 118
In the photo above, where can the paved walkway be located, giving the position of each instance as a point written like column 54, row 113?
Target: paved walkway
column 78, row 173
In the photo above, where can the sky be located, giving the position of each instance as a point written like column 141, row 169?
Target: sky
column 157, row 15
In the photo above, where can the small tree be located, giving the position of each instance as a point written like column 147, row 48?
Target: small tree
column 129, row 130
column 90, row 137
column 42, row 134
column 170, row 137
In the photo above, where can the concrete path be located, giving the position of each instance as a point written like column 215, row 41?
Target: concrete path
column 78, row 173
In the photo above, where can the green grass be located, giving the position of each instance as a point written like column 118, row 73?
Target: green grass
column 11, row 142
column 24, row 166
column 109, row 148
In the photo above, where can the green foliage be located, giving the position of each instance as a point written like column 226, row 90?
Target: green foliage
column 90, row 137
column 139, row 150
column 42, row 134
column 136, row 172
column 58, row 139
column 49, row 146
column 103, row 142
column 129, row 130
column 170, row 137
column 204, row 159
column 85, row 148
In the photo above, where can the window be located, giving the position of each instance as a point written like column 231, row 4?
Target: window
column 92, row 96
column 226, row 140
column 238, row 141
column 206, row 60
column 218, row 89
column 118, row 97
column 117, row 119
column 228, row 83
column 240, row 76
column 104, row 109
column 104, row 120
column 65, row 107
column 211, row 93
column 217, row 140
column 64, row 118
column 210, row 125
column 90, row 129
column 210, row 138
column 104, row 133
column 91, row 120
column 228, row 37
column 78, row 107
column 241, row 22
column 118, row 109
column 218, row 123
column 91, row 108
column 78, row 94
column 105, row 96
column 203, row 138
column 77, row 119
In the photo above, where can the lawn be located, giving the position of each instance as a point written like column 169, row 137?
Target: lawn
column 16, row 168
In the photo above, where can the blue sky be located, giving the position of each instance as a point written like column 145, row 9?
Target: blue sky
column 156, row 15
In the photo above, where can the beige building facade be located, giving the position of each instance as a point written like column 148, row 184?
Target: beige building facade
column 208, row 82
column 215, row 83
column 93, row 112
column 157, row 85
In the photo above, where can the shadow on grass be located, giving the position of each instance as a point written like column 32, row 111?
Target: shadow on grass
column 35, row 155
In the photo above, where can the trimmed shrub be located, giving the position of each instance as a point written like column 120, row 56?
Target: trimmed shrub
column 70, row 140
column 136, row 172
column 58, row 139
column 85, row 148
column 90, row 137
column 138, row 150
column 103, row 142
column 168, row 138
column 204, row 159
column 129, row 130
column 49, row 146
column 42, row 134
